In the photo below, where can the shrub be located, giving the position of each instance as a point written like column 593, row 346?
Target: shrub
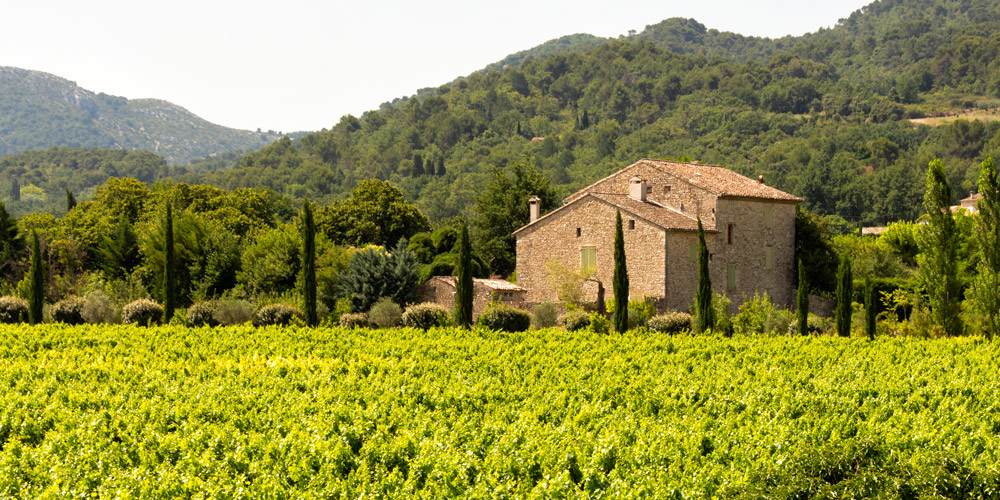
column 385, row 313
column 143, row 312
column 353, row 320
column 779, row 321
column 97, row 309
column 426, row 316
column 670, row 322
column 575, row 320
column 13, row 309
column 817, row 325
column 545, row 315
column 276, row 314
column 233, row 312
column 723, row 320
column 599, row 323
column 69, row 311
column 504, row 318
column 203, row 314
column 640, row 309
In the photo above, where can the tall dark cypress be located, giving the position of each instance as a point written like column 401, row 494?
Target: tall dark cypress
column 70, row 200
column 169, row 267
column 15, row 190
column 36, row 277
column 845, row 291
column 620, row 279
column 802, row 302
column 440, row 169
column 463, row 279
column 870, row 308
column 705, row 314
column 309, row 264
column 418, row 165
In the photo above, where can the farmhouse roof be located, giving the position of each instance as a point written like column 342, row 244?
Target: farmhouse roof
column 662, row 216
column 492, row 284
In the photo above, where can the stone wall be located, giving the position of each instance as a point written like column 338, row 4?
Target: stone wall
column 440, row 291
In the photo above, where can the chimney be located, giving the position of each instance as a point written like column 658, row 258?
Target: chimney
column 760, row 178
column 637, row 189
column 534, row 208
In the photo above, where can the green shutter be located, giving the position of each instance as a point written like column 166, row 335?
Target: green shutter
column 731, row 277
column 588, row 259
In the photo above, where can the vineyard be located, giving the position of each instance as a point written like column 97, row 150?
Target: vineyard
column 120, row 411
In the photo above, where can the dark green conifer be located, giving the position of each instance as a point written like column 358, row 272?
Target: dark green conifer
column 169, row 271
column 869, row 308
column 15, row 190
column 585, row 121
column 120, row 250
column 440, row 169
column 704, row 313
column 620, row 279
column 463, row 279
column 309, row 265
column 802, row 302
column 418, row 165
column 36, row 277
column 70, row 200
column 845, row 291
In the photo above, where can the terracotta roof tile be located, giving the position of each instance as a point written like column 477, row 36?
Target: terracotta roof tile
column 492, row 284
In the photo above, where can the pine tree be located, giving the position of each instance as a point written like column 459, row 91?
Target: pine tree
column 418, row 165
column 802, row 302
column 170, row 262
column 845, row 292
column 620, row 279
column 440, row 169
column 985, row 289
column 10, row 242
column 120, row 251
column 518, row 132
column 870, row 310
column 15, row 190
column 937, row 263
column 463, row 279
column 705, row 314
column 36, row 278
column 70, row 200
column 585, row 121
column 309, row 264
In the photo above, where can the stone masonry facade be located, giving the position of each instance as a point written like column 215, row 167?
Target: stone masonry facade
column 750, row 234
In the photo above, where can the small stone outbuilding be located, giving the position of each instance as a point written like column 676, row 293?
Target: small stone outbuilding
column 749, row 230
column 441, row 290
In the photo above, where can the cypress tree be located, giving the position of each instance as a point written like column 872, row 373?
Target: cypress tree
column 463, row 279
column 869, row 308
column 803, row 301
column 845, row 290
column 705, row 314
column 169, row 277
column 15, row 190
column 938, row 262
column 418, row 165
column 985, row 289
column 585, row 121
column 36, row 277
column 620, row 279
column 309, row 264
column 70, row 200
column 440, row 169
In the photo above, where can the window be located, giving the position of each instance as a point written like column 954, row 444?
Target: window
column 631, row 223
column 769, row 216
column 693, row 252
column 588, row 259
column 729, row 233
column 731, row 277
column 666, row 189
column 768, row 257
column 578, row 232
column 649, row 189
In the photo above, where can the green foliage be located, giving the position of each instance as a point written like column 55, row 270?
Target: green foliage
column 575, row 320
column 505, row 318
column 845, row 295
column 354, row 320
column 640, row 309
column 723, row 320
column 545, row 315
column 463, row 279
column 704, row 316
column 758, row 315
column 376, row 213
column 271, row 261
column 13, row 310
column 985, row 290
column 372, row 274
column 802, row 301
column 814, row 248
column 619, row 279
column 671, row 322
column 203, row 313
column 230, row 312
column 870, row 308
column 120, row 251
column 69, row 310
column 385, row 314
column 142, row 312
column 938, row 263
column 599, row 324
column 36, row 279
column 309, row 288
column 425, row 316
column 169, row 266
column 276, row 314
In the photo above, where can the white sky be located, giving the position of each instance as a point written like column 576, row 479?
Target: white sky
column 302, row 64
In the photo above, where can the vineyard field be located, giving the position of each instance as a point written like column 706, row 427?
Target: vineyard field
column 241, row 412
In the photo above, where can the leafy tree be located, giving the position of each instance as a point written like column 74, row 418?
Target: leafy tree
column 802, row 301
column 376, row 213
column 619, row 280
column 502, row 207
column 813, row 247
column 985, row 290
column 845, row 292
column 36, row 279
column 937, row 263
column 169, row 266
column 309, row 264
column 463, row 279
column 704, row 312
column 271, row 261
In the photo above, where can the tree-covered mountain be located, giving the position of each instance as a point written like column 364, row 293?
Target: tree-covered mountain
column 40, row 111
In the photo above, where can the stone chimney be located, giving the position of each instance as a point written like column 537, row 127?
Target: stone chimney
column 637, row 189
column 534, row 208
column 760, row 178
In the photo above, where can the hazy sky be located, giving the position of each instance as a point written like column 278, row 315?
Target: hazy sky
column 301, row 65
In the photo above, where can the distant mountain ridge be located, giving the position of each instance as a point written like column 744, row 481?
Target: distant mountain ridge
column 39, row 111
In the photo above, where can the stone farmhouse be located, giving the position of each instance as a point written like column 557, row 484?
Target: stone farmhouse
column 749, row 231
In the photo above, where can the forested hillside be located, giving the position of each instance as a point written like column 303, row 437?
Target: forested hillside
column 823, row 116
column 39, row 111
